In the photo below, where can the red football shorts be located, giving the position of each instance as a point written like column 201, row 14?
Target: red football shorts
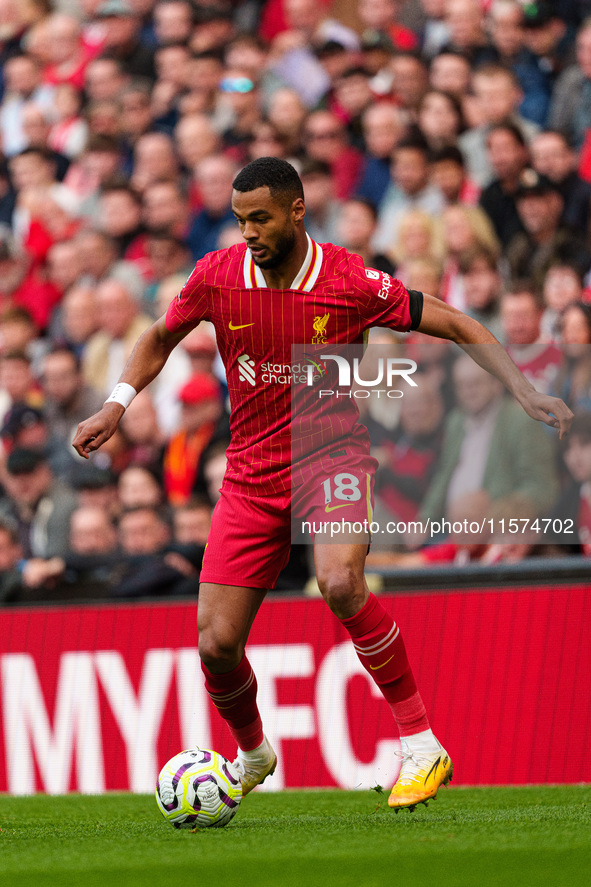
column 250, row 537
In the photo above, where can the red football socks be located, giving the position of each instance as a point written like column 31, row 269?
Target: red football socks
column 380, row 648
column 234, row 695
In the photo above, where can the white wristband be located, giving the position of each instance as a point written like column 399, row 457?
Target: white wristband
column 122, row 393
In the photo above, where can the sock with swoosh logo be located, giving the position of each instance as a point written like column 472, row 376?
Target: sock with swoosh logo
column 234, row 695
column 380, row 648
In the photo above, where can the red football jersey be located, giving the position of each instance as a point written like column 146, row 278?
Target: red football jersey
column 334, row 299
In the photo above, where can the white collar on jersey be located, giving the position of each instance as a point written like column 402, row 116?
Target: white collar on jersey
column 304, row 279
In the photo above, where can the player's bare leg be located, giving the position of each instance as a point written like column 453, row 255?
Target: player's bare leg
column 225, row 617
column 380, row 648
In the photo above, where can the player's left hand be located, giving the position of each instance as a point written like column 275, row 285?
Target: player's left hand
column 550, row 410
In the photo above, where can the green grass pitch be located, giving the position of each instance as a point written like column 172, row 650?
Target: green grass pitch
column 470, row 837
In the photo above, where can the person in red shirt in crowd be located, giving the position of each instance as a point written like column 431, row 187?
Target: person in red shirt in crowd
column 69, row 53
column 381, row 15
column 325, row 139
column 202, row 410
column 521, row 316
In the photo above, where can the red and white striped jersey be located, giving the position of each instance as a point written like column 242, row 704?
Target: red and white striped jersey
column 334, row 299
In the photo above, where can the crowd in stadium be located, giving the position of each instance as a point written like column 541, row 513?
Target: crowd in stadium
column 447, row 142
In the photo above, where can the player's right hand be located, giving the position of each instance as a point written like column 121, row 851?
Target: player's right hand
column 93, row 432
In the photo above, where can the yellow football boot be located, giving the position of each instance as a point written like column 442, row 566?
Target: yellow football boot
column 254, row 766
column 419, row 779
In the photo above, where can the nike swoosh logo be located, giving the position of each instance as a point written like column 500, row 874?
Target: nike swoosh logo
column 240, row 326
column 375, row 667
column 334, row 507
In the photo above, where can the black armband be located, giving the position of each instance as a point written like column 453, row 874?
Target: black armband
column 415, row 304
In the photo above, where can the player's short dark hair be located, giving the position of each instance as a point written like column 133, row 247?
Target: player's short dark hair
column 279, row 176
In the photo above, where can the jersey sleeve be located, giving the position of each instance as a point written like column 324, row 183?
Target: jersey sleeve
column 385, row 301
column 192, row 303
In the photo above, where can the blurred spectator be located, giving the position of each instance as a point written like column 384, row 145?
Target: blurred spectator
column 553, row 157
column 92, row 531
column 464, row 228
column 23, row 85
column 325, row 139
column 563, row 285
column 149, row 568
column 120, row 325
column 69, row 54
column 508, row 158
column 481, row 284
column 68, row 400
column 120, row 216
column 154, row 160
column 41, row 505
column 204, row 72
column 79, row 318
column 201, row 349
column 573, row 382
column 450, row 72
column 356, row 226
column 143, row 434
column 521, row 315
column 214, row 176
column 95, row 488
column 440, row 119
column 135, row 115
column 192, row 522
column 121, row 36
column 266, row 141
column 490, row 445
column 17, row 383
column 98, row 163
column 98, row 257
column 138, row 486
column 410, row 189
column 498, row 96
column 540, row 205
column 435, row 33
column 166, row 209
column 411, row 81
column 323, row 210
column 239, row 98
column 18, row 332
column 202, row 417
column 506, row 26
column 173, row 21
column 465, row 22
column 575, row 502
column 569, row 109
column 104, row 79
column 383, row 127
column 69, row 131
column 418, row 238
column 27, row 427
column 382, row 15
column 287, row 113
column 195, row 139
column 448, row 173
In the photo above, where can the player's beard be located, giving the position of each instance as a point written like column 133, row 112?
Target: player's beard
column 284, row 245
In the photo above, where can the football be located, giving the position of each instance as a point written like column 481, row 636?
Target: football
column 198, row 788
